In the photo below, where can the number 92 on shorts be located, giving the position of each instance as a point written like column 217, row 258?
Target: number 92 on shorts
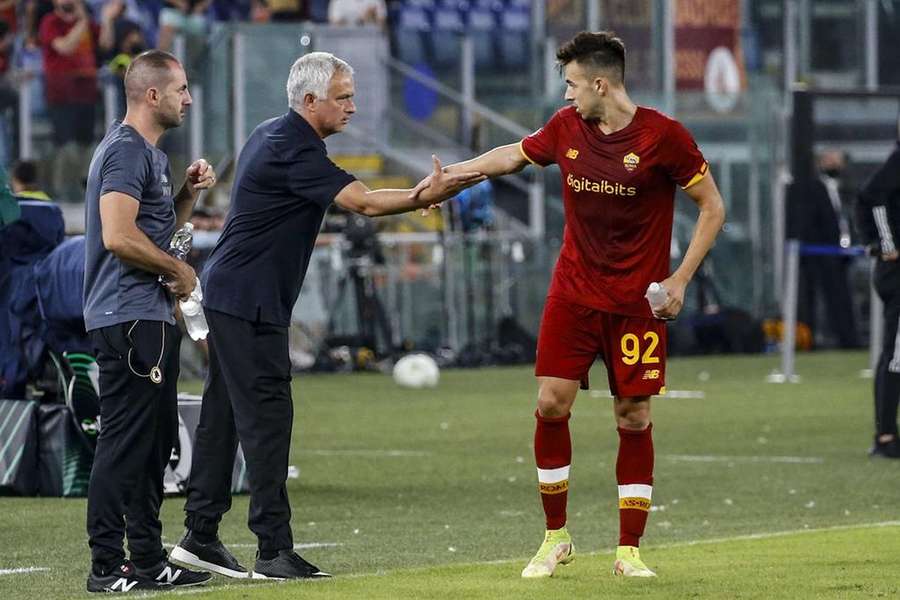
column 633, row 348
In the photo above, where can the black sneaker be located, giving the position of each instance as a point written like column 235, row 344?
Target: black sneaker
column 167, row 572
column 123, row 579
column 889, row 449
column 287, row 565
column 210, row 557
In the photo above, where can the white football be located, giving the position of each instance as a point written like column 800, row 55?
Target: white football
column 416, row 371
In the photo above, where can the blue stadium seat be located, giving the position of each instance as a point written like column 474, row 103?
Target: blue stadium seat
column 411, row 23
column 481, row 21
column 318, row 11
column 515, row 33
column 447, row 24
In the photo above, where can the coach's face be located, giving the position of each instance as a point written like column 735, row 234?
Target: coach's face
column 334, row 111
column 584, row 91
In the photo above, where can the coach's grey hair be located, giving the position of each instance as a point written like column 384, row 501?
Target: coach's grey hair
column 311, row 74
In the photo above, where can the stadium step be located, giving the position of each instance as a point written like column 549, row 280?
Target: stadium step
column 361, row 165
column 374, row 171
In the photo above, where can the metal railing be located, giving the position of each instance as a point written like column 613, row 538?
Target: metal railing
column 467, row 105
column 439, row 290
column 793, row 249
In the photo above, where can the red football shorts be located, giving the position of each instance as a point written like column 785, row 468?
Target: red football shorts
column 573, row 336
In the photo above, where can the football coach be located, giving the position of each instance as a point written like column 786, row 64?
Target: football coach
column 283, row 185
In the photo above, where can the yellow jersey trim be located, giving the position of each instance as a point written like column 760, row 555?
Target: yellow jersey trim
column 700, row 175
column 528, row 158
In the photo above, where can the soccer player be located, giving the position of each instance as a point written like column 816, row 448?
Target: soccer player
column 620, row 164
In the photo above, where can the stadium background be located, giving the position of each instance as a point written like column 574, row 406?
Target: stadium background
column 458, row 77
column 467, row 283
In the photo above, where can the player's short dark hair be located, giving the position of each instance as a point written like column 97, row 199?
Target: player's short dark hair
column 25, row 171
column 148, row 69
column 600, row 50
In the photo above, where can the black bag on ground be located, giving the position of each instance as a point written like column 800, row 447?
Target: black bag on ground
column 64, row 461
column 18, row 447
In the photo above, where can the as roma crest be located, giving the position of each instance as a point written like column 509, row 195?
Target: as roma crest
column 631, row 161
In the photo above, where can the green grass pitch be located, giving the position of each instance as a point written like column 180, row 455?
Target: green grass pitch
column 761, row 491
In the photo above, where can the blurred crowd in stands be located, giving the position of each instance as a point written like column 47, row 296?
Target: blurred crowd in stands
column 60, row 53
column 68, row 46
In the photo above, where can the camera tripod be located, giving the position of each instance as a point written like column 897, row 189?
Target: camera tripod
column 373, row 329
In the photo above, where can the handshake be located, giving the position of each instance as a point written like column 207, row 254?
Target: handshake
column 440, row 185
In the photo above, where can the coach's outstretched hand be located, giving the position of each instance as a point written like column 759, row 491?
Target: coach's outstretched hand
column 440, row 185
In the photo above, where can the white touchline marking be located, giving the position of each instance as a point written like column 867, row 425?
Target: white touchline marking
column 800, row 460
column 774, row 534
column 296, row 546
column 388, row 453
column 216, row 589
column 691, row 394
column 737, row 538
column 19, row 570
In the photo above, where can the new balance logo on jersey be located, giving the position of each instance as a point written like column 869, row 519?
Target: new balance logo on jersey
column 651, row 374
column 123, row 585
column 572, row 153
column 167, row 576
column 612, row 188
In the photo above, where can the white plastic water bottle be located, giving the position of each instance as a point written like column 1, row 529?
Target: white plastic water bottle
column 181, row 244
column 656, row 296
column 192, row 311
column 192, row 307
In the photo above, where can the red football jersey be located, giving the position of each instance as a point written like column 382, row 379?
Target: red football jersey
column 619, row 198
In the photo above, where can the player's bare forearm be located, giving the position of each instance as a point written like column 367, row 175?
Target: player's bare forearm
column 709, row 222
column 441, row 185
column 502, row 160
column 378, row 203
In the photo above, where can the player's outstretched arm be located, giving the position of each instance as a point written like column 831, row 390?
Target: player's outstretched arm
column 502, row 160
column 356, row 197
column 709, row 222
